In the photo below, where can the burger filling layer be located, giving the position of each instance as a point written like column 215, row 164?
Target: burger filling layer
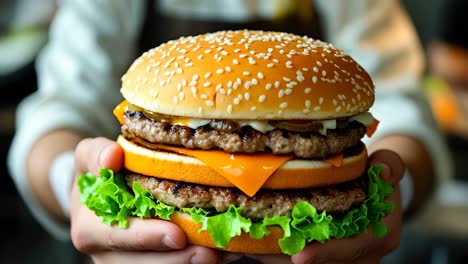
column 226, row 135
column 332, row 199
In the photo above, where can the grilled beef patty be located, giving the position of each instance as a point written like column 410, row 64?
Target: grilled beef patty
column 304, row 145
column 266, row 203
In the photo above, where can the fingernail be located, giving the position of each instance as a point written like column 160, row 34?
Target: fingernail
column 103, row 156
column 168, row 242
column 197, row 259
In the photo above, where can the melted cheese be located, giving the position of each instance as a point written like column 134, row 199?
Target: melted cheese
column 365, row 118
column 247, row 172
column 119, row 111
column 189, row 122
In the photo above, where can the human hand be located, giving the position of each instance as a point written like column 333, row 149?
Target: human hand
column 155, row 241
column 363, row 248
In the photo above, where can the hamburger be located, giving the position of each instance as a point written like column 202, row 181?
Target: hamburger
column 250, row 141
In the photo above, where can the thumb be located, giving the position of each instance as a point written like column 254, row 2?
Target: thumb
column 91, row 154
column 393, row 165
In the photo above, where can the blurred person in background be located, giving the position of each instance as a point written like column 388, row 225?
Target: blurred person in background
column 23, row 33
column 92, row 44
column 448, row 62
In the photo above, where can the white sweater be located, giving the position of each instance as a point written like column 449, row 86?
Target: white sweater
column 92, row 42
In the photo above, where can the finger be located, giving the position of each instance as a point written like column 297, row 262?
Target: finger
column 94, row 153
column 235, row 258
column 353, row 248
column 90, row 235
column 392, row 163
column 349, row 249
column 192, row 254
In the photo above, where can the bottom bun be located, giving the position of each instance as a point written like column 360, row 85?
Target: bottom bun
column 239, row 244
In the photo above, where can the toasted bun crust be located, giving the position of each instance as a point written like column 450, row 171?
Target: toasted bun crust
column 240, row 244
column 248, row 75
column 294, row 174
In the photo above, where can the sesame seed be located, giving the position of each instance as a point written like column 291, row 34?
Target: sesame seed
column 207, row 84
column 260, row 75
column 246, row 73
column 268, row 86
column 306, row 111
column 314, row 79
column 242, row 56
column 207, row 51
column 286, row 79
column 335, row 103
column 254, row 81
column 321, row 100
column 195, row 77
column 288, row 91
column 235, row 61
column 207, row 75
column 319, row 63
column 315, row 69
column 261, row 98
column 236, row 101
column 227, row 69
column 247, row 85
column 179, row 70
column 203, row 96
column 229, row 108
column 338, row 109
column 247, row 96
column 219, row 71
column 270, row 65
column 277, row 84
column 224, row 53
column 307, row 103
column 181, row 96
column 317, row 108
column 253, row 108
column 209, row 103
column 283, row 105
column 200, row 57
column 289, row 64
column 174, row 99
column 307, row 90
column 324, row 73
column 237, row 50
column 280, row 93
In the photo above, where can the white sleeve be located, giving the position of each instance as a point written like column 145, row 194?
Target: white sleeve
column 379, row 35
column 91, row 44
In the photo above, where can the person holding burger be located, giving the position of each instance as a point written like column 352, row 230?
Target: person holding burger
column 78, row 93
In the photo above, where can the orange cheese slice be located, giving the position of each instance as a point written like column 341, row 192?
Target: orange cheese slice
column 335, row 160
column 248, row 173
column 119, row 111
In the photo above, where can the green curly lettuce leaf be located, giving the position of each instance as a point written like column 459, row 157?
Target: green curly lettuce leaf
column 110, row 198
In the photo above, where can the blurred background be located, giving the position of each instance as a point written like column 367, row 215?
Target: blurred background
column 443, row 238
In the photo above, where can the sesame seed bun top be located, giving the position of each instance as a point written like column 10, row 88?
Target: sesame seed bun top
column 248, row 75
